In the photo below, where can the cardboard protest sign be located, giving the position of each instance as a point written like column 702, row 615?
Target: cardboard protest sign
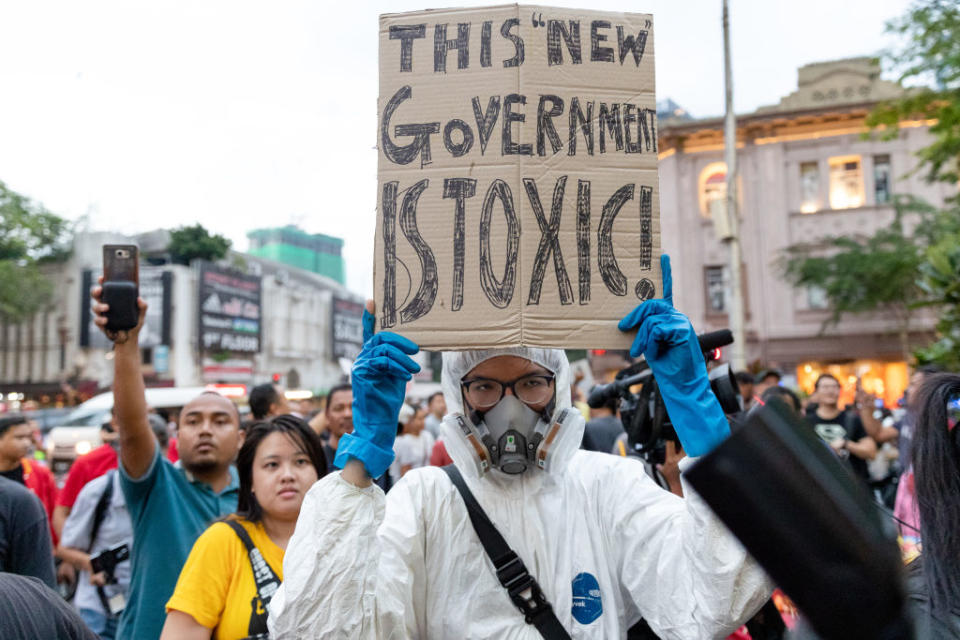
column 518, row 201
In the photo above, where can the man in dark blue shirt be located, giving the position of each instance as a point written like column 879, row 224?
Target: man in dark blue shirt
column 170, row 505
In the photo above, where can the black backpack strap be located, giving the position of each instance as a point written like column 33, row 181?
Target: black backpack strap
column 267, row 580
column 100, row 511
column 99, row 515
column 511, row 572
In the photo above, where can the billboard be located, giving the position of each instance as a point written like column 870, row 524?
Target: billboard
column 230, row 310
column 156, row 289
column 346, row 328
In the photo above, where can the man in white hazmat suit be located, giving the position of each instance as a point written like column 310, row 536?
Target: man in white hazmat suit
column 606, row 545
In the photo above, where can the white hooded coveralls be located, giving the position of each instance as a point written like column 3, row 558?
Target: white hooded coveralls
column 362, row 565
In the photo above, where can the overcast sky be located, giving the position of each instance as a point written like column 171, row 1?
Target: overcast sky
column 242, row 115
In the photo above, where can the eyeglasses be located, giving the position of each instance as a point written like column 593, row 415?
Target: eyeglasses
column 483, row 393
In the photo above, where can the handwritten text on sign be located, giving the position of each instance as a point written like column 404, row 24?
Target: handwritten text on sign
column 527, row 166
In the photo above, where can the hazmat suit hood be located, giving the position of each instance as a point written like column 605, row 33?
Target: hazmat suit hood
column 561, row 443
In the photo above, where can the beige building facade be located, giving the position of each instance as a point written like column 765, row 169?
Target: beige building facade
column 805, row 172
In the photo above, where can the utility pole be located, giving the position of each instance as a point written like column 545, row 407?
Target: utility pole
column 735, row 303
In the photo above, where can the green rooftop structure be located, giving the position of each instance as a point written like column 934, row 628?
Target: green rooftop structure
column 291, row 245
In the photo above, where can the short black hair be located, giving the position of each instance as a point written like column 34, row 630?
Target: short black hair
column 788, row 397
column 9, row 421
column 929, row 369
column 825, row 376
column 610, row 404
column 744, row 377
column 434, row 395
column 336, row 389
column 159, row 427
column 295, row 429
column 261, row 397
column 766, row 373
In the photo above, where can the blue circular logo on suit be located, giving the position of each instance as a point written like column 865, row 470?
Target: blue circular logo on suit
column 587, row 605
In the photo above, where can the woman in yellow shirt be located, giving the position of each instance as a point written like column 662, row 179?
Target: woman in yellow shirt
column 236, row 565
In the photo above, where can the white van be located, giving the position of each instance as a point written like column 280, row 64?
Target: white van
column 80, row 432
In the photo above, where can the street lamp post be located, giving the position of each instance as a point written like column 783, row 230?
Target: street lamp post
column 732, row 238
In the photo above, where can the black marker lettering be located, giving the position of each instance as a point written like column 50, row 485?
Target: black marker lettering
column 557, row 30
column 507, row 145
column 485, row 43
column 598, row 53
column 549, row 242
column 545, row 126
column 459, row 189
column 584, row 122
column 610, row 121
column 646, row 227
column 630, row 45
column 441, row 45
column 486, row 119
column 423, row 300
column 583, row 239
column 463, row 147
column 499, row 292
column 420, row 145
column 652, row 114
column 645, row 289
column 643, row 131
column 609, row 270
column 406, row 34
column 505, row 28
column 388, row 209
column 629, row 117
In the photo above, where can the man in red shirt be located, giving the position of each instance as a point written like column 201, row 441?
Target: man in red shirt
column 16, row 439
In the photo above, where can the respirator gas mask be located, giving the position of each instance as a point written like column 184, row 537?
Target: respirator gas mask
column 510, row 435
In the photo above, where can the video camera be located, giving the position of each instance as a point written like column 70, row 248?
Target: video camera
column 107, row 561
column 644, row 415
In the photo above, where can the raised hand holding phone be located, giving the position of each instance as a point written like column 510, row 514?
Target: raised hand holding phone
column 117, row 307
column 121, row 286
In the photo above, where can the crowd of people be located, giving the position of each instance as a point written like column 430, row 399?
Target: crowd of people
column 358, row 518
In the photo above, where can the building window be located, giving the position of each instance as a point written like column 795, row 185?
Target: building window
column 716, row 289
column 816, row 298
column 846, row 182
column 881, row 179
column 809, row 187
column 713, row 189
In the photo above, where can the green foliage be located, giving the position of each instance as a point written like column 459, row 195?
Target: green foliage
column 892, row 271
column 195, row 242
column 866, row 273
column 30, row 236
column 940, row 282
column 929, row 53
column 29, row 233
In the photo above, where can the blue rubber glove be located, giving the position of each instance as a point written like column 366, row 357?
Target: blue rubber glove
column 379, row 378
column 667, row 340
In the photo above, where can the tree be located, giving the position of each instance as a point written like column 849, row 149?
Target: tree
column 870, row 273
column 940, row 282
column 195, row 242
column 30, row 236
column 928, row 51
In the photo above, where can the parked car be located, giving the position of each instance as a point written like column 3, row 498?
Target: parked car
column 47, row 419
column 80, row 432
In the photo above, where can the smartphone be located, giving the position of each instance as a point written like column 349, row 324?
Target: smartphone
column 121, row 285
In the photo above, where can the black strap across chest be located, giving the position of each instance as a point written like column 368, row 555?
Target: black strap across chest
column 523, row 588
column 266, row 579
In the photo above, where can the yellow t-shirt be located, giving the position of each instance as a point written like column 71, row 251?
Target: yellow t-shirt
column 216, row 585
